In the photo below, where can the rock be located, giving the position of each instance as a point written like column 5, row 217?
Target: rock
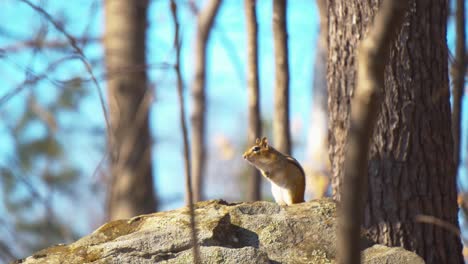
column 259, row 232
column 379, row 254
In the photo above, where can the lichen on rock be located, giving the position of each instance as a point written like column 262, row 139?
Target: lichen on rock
column 258, row 232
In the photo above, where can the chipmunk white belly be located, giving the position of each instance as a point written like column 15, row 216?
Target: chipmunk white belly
column 281, row 194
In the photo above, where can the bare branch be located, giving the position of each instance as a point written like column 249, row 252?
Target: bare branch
column 78, row 50
column 50, row 44
column 35, row 77
column 429, row 219
column 458, row 77
column 7, row 252
column 188, row 176
column 372, row 57
column 91, row 19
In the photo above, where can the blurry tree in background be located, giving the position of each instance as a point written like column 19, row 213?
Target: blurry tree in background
column 411, row 168
column 281, row 129
column 198, row 147
column 131, row 183
column 319, row 171
column 253, row 86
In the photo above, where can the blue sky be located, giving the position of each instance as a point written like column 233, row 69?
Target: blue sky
column 226, row 88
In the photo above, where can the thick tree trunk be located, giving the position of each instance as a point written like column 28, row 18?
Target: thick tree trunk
column 372, row 56
column 198, row 150
column 411, row 169
column 254, row 182
column 281, row 133
column 131, row 190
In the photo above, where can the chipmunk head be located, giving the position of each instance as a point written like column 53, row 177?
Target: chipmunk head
column 260, row 153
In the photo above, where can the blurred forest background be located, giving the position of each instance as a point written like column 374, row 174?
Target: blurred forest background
column 68, row 71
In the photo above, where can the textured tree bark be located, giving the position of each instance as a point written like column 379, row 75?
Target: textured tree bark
column 131, row 190
column 198, row 151
column 254, row 130
column 281, row 133
column 411, row 170
column 372, row 57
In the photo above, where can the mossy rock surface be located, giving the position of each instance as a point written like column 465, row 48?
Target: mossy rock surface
column 259, row 232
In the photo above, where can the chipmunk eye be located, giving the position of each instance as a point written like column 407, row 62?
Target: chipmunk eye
column 256, row 149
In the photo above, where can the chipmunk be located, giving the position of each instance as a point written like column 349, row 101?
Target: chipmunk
column 284, row 172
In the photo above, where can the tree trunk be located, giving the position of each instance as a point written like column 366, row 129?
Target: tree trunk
column 372, row 56
column 198, row 150
column 131, row 190
column 281, row 134
column 254, row 182
column 411, row 169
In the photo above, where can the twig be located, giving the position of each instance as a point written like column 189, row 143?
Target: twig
column 35, row 78
column 92, row 15
column 32, row 188
column 51, row 44
column 373, row 55
column 458, row 70
column 78, row 50
column 429, row 219
column 9, row 253
column 188, row 176
column 6, row 251
column 131, row 69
